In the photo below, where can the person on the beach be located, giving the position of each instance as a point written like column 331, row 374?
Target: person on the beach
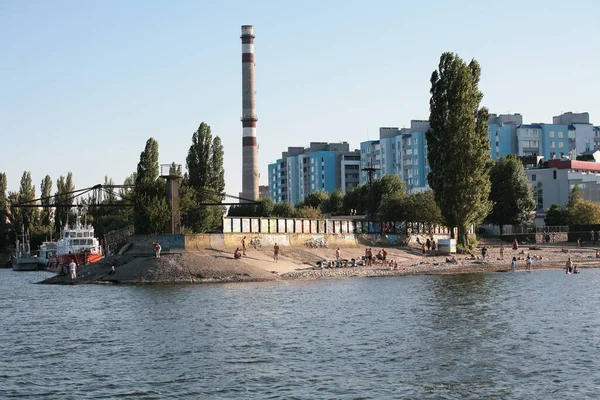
column 483, row 253
column 528, row 263
column 501, row 251
column 73, row 270
column 578, row 242
column 428, row 244
column 244, row 245
column 383, row 257
column 275, row 252
column 337, row 255
column 513, row 264
column 515, row 244
column 370, row 257
column 553, row 237
column 157, row 249
column 433, row 246
column 423, row 250
column 569, row 266
column 236, row 254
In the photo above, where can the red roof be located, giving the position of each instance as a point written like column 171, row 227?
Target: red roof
column 574, row 164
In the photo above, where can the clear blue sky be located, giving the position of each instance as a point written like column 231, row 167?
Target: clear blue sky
column 84, row 84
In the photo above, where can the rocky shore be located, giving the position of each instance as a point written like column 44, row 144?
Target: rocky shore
column 219, row 266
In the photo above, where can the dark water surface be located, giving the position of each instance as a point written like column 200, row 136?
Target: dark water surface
column 491, row 336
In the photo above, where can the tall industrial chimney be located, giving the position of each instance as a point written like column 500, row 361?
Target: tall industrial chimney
column 249, row 117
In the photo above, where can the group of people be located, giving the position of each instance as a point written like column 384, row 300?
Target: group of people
column 69, row 269
column 570, row 268
column 427, row 246
column 528, row 263
column 238, row 253
column 370, row 260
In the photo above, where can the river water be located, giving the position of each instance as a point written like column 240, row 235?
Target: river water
column 479, row 336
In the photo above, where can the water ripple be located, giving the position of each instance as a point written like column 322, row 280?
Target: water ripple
column 492, row 336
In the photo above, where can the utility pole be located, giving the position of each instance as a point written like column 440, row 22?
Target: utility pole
column 370, row 170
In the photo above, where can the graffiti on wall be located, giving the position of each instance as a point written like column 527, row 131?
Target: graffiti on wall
column 316, row 241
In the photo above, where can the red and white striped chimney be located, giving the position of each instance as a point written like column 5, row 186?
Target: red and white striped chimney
column 249, row 117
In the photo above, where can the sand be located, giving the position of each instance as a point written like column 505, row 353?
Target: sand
column 218, row 265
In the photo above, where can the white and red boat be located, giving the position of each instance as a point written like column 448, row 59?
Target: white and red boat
column 78, row 244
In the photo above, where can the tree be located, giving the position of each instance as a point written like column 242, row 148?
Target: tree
column 388, row 185
column 150, row 210
column 392, row 207
column 511, row 195
column 284, row 209
column 335, row 204
column 3, row 212
column 316, row 199
column 556, row 216
column 458, row 144
column 421, row 207
column 584, row 212
column 308, row 212
column 357, row 199
column 46, row 200
column 418, row 207
column 206, row 176
column 64, row 197
column 574, row 197
column 25, row 217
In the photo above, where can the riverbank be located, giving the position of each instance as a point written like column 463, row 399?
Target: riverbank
column 219, row 266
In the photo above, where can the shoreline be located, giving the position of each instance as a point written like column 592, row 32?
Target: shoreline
column 218, row 265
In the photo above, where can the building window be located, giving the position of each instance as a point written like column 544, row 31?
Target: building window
column 554, row 174
column 560, row 134
column 587, row 139
column 571, row 134
column 561, row 145
column 552, row 145
column 551, row 134
column 533, row 178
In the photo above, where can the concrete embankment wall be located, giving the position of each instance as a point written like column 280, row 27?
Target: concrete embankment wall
column 142, row 244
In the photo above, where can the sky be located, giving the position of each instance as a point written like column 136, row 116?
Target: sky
column 84, row 84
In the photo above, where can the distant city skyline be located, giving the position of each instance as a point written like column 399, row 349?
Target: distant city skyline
column 83, row 85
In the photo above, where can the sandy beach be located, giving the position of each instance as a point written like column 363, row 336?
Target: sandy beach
column 218, row 265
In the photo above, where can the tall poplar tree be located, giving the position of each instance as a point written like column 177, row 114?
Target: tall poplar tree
column 26, row 216
column 511, row 195
column 64, row 197
column 150, row 210
column 458, row 144
column 46, row 187
column 3, row 212
column 206, row 177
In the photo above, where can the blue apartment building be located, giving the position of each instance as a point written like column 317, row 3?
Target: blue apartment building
column 301, row 171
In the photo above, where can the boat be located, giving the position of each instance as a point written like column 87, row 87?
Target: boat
column 79, row 245
column 48, row 257
column 22, row 260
